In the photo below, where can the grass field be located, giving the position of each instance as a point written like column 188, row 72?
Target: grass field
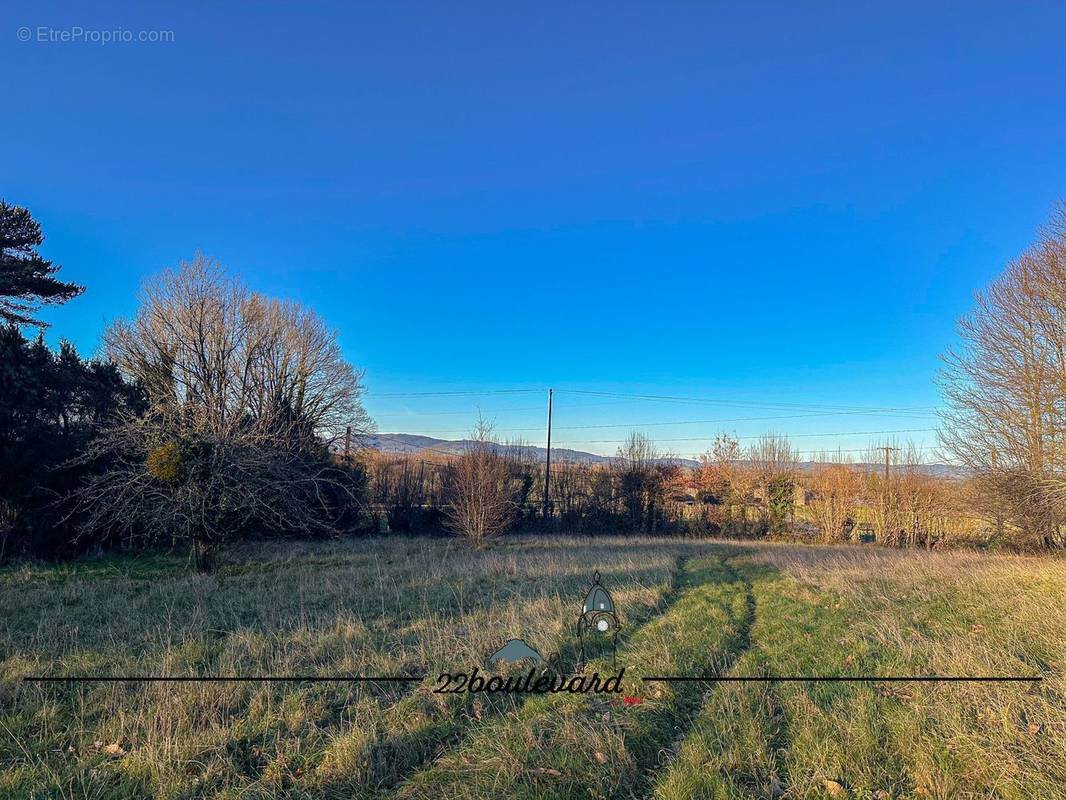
column 410, row 606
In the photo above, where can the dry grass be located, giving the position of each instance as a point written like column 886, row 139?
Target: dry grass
column 368, row 607
column 411, row 606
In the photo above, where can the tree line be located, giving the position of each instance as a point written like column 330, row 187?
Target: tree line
column 212, row 414
column 216, row 412
column 759, row 491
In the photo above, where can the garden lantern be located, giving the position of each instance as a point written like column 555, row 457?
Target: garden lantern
column 599, row 619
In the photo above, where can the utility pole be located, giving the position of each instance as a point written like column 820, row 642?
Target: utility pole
column 886, row 493
column 548, row 460
column 886, row 448
column 347, row 442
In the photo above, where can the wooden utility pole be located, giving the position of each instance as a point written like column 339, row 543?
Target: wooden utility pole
column 347, row 442
column 886, row 448
column 886, row 493
column 548, row 460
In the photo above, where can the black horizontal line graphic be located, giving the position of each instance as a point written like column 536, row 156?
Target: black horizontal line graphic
column 848, row 678
column 417, row 678
column 224, row 678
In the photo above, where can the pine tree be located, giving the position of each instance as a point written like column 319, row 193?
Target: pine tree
column 26, row 279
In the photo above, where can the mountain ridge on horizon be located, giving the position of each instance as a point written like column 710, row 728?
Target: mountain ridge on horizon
column 414, row 443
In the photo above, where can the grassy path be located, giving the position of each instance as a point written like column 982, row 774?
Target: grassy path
column 868, row 740
column 735, row 615
column 566, row 745
column 744, row 741
column 422, row 724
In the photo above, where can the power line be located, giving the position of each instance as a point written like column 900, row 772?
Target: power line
column 491, row 412
column 454, row 413
column 677, row 422
column 810, row 410
column 827, row 451
column 418, row 449
column 661, row 398
column 455, row 394
column 742, row 403
column 730, row 419
column 784, row 436
column 558, row 445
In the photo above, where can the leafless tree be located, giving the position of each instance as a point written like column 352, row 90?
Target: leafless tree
column 1005, row 387
column 245, row 396
column 481, row 495
column 836, row 487
column 221, row 357
column 724, row 480
column 639, row 482
column 772, row 463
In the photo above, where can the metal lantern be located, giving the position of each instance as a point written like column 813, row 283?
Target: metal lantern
column 598, row 618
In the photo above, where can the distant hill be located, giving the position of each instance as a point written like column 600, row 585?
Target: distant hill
column 416, row 443
column 936, row 470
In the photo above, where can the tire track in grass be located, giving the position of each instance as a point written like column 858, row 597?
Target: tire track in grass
column 421, row 724
column 838, row 733
column 741, row 576
column 570, row 746
column 742, row 657
column 755, row 740
column 735, row 740
column 768, row 712
column 687, row 697
column 742, row 643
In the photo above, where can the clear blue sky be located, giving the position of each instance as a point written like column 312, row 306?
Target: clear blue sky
column 734, row 201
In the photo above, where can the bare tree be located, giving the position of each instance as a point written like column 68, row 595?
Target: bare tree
column 221, row 357
column 245, row 396
column 481, row 499
column 723, row 486
column 772, row 461
column 1005, row 387
column 836, row 487
column 641, row 481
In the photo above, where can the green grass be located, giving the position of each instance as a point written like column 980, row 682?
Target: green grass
column 566, row 745
column 865, row 740
column 412, row 606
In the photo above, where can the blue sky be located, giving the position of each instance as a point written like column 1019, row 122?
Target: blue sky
column 748, row 202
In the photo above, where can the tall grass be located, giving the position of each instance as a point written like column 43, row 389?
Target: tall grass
column 411, row 606
column 378, row 607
